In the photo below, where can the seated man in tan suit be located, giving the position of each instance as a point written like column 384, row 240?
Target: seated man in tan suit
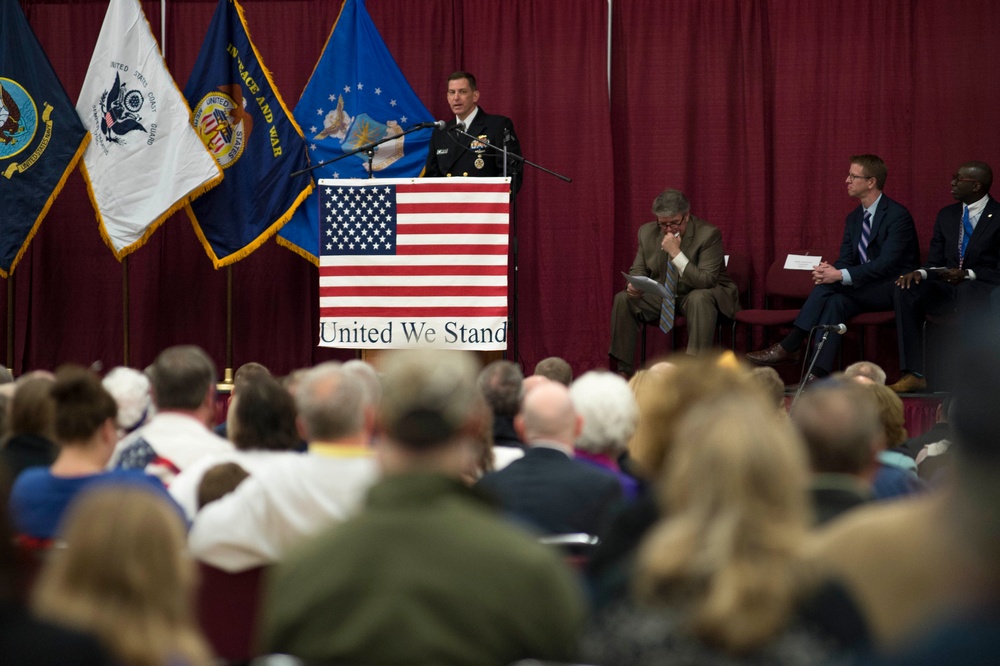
column 688, row 251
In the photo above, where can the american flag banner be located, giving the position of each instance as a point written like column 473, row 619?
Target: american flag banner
column 414, row 263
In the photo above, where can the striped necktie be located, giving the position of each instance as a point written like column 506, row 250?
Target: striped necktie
column 866, row 232
column 966, row 234
column 667, row 305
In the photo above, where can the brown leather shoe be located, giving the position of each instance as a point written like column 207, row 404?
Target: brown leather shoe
column 774, row 355
column 910, row 384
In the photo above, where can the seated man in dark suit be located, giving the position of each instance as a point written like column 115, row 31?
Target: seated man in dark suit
column 880, row 242
column 686, row 252
column 547, row 488
column 960, row 272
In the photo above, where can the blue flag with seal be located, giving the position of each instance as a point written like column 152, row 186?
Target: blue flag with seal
column 244, row 123
column 355, row 96
column 41, row 136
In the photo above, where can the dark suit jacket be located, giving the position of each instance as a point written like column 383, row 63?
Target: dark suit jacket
column 702, row 245
column 983, row 253
column 553, row 492
column 452, row 154
column 893, row 247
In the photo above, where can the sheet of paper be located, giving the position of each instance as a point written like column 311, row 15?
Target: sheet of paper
column 801, row 262
column 646, row 285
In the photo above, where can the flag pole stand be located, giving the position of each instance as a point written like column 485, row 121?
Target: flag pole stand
column 227, row 381
column 125, row 317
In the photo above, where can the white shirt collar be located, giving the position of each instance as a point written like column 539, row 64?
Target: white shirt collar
column 468, row 120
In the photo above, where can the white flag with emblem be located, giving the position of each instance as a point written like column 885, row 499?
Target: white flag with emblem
column 145, row 160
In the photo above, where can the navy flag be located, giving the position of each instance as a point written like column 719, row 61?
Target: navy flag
column 41, row 137
column 244, row 123
column 356, row 95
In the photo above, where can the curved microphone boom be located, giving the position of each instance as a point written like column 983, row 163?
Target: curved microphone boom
column 839, row 329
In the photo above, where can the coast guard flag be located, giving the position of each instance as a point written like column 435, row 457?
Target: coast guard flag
column 145, row 161
column 41, row 137
column 244, row 123
column 356, row 95
column 414, row 262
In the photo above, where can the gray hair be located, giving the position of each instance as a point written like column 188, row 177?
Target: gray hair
column 670, row 203
column 428, row 397
column 331, row 402
column 609, row 410
column 865, row 369
column 181, row 377
column 130, row 389
column 368, row 376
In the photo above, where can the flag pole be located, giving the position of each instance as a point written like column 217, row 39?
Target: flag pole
column 227, row 381
column 10, row 321
column 125, row 317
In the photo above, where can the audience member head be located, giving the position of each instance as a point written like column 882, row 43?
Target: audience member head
column 548, row 415
column 249, row 373
column 85, row 411
column 890, row 414
column 665, row 398
column 482, row 459
column 6, row 376
column 555, row 369
column 865, row 372
column 369, row 377
column 736, row 515
column 769, row 383
column 975, row 422
column 32, row 410
column 430, row 409
column 131, row 391
column 124, row 576
column 263, row 417
column 531, row 383
column 840, row 425
column 333, row 404
column 609, row 411
column 183, row 379
column 501, row 384
column 219, row 481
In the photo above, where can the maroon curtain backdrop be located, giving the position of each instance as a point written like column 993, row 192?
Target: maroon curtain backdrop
column 750, row 106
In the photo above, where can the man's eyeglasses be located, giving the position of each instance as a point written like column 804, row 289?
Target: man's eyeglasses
column 672, row 224
column 853, row 177
column 955, row 178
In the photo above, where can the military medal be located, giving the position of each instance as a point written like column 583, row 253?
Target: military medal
column 480, row 163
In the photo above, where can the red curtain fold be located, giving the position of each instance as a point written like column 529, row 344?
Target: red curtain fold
column 752, row 107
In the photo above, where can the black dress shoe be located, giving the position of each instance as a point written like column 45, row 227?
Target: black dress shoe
column 774, row 355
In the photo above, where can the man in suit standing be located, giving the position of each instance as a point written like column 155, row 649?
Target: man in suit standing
column 690, row 249
column 960, row 272
column 547, row 488
column 454, row 154
column 880, row 242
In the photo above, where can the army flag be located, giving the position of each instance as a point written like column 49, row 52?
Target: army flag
column 243, row 121
column 41, row 137
column 144, row 161
column 355, row 96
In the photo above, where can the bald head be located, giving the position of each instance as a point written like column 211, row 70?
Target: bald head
column 548, row 414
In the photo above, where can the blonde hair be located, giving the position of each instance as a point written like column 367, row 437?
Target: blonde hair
column 125, row 578
column 737, row 515
column 890, row 414
column 664, row 398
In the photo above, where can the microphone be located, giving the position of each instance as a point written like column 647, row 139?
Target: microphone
column 436, row 124
column 839, row 329
column 459, row 127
